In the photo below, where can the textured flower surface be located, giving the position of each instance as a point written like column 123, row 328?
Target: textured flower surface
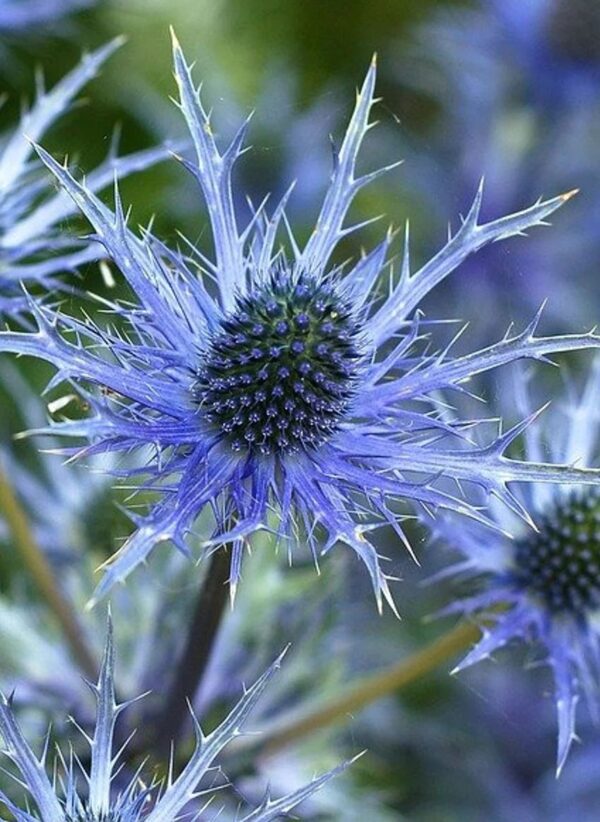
column 139, row 800
column 276, row 390
column 17, row 16
column 32, row 251
column 543, row 586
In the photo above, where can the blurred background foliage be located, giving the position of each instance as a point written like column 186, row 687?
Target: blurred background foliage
column 476, row 749
column 304, row 50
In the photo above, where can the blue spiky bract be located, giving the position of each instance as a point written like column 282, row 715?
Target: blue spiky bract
column 138, row 800
column 33, row 251
column 543, row 586
column 270, row 384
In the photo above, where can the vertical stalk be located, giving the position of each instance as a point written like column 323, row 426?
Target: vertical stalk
column 43, row 576
column 203, row 629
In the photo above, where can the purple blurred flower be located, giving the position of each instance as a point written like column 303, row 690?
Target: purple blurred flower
column 513, row 107
column 19, row 16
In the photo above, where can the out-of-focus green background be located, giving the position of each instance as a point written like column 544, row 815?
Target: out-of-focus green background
column 308, row 50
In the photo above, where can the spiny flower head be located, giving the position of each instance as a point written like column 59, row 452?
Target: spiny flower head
column 279, row 374
column 543, row 586
column 560, row 563
column 32, row 250
column 275, row 390
column 182, row 797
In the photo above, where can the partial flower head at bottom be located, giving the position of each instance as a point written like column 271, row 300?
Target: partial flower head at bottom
column 92, row 796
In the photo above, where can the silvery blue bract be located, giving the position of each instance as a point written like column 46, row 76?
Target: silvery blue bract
column 139, row 800
column 33, row 250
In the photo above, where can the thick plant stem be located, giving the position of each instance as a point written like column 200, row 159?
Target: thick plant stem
column 369, row 690
column 196, row 652
column 43, row 576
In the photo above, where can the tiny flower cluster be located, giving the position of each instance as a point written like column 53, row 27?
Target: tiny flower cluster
column 543, row 586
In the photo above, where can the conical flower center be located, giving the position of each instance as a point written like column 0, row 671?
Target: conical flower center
column 280, row 374
column 574, row 29
column 561, row 563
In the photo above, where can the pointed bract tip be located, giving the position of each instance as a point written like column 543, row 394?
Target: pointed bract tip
column 174, row 40
column 569, row 195
column 374, row 60
column 562, row 757
column 232, row 595
column 90, row 604
column 119, row 41
column 282, row 655
column 356, row 757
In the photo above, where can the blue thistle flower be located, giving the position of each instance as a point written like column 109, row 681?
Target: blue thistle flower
column 182, row 796
column 543, row 585
column 277, row 383
column 32, row 251
column 17, row 16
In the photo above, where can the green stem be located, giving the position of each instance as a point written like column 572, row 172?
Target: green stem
column 43, row 576
column 370, row 689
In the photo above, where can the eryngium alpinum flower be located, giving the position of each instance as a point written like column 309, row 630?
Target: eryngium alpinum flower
column 274, row 389
column 543, row 586
column 183, row 796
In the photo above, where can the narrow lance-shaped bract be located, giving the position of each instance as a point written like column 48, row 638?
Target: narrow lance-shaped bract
column 32, row 249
